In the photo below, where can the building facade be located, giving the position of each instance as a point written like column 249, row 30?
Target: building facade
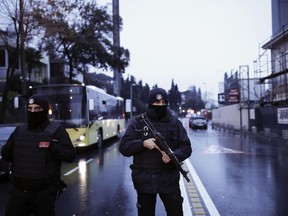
column 261, row 102
column 273, row 114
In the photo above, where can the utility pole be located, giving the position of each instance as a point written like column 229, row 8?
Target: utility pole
column 116, row 43
column 131, row 98
column 22, row 48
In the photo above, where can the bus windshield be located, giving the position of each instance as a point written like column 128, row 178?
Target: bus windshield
column 68, row 110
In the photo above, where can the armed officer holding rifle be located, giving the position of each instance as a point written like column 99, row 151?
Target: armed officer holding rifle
column 153, row 170
column 36, row 151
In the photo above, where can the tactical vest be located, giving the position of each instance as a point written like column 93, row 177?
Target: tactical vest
column 32, row 160
column 152, row 159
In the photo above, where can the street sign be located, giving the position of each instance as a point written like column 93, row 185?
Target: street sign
column 233, row 96
column 128, row 105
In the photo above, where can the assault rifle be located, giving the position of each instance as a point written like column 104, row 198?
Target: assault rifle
column 160, row 141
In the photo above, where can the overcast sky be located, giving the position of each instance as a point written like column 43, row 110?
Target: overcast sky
column 192, row 41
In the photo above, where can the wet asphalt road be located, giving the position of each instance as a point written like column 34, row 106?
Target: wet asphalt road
column 242, row 175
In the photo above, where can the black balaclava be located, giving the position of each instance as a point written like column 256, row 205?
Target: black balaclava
column 35, row 119
column 158, row 94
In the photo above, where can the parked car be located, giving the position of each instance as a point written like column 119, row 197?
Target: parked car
column 5, row 132
column 198, row 122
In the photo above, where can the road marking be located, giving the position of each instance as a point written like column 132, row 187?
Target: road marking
column 214, row 149
column 205, row 196
column 186, row 206
column 77, row 168
column 187, row 209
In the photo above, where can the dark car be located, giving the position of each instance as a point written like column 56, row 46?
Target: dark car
column 5, row 132
column 198, row 122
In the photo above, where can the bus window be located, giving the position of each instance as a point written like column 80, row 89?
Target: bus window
column 91, row 104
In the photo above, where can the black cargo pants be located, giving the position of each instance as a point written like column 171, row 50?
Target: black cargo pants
column 146, row 203
column 36, row 202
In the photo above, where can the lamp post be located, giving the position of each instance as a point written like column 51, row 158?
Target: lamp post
column 131, row 97
column 116, row 43
column 22, row 49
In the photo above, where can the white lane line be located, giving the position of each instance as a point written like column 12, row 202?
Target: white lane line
column 77, row 168
column 205, row 196
column 187, row 210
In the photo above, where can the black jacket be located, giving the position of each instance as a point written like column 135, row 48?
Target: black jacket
column 33, row 164
column 149, row 173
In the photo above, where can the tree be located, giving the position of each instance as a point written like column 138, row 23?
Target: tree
column 98, row 49
column 81, row 34
column 59, row 34
column 174, row 97
column 193, row 99
column 17, row 30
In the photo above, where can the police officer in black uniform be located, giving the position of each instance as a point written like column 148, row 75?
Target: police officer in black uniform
column 35, row 151
column 152, row 170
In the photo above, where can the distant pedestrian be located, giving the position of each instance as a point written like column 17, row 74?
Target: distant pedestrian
column 36, row 151
column 152, row 170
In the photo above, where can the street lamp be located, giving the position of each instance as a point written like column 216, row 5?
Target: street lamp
column 131, row 96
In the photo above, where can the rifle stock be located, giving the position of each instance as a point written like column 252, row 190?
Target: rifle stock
column 160, row 141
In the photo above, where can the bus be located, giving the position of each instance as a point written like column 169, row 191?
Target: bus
column 88, row 113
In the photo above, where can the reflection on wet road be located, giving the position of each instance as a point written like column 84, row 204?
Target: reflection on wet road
column 98, row 184
column 231, row 175
column 244, row 175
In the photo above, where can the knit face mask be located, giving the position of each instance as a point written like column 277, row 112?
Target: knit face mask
column 35, row 119
column 160, row 111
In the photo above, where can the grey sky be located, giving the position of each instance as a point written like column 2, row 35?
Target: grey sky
column 192, row 41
